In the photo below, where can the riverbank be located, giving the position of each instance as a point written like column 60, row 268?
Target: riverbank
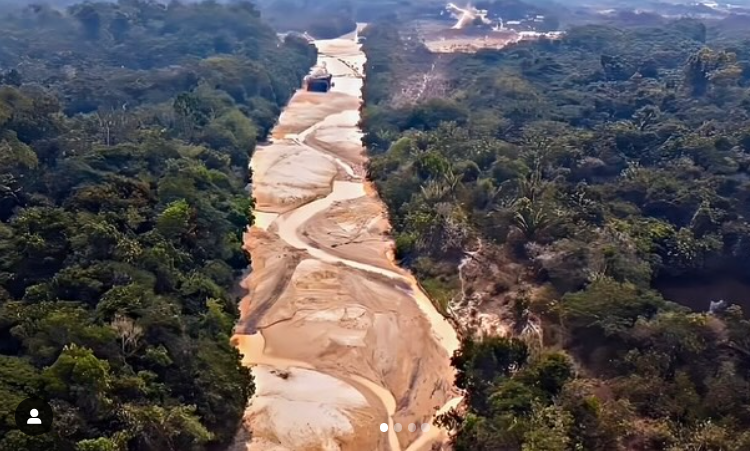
column 338, row 337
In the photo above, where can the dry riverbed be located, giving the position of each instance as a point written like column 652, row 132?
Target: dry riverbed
column 338, row 337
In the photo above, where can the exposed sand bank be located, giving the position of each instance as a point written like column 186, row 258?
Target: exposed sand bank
column 339, row 338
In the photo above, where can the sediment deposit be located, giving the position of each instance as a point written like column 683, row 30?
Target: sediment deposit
column 338, row 337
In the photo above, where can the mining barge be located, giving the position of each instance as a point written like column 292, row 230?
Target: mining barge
column 319, row 79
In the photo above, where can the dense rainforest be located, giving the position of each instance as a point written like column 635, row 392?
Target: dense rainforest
column 125, row 134
column 591, row 168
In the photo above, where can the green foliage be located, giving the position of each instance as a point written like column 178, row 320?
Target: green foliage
column 512, row 396
column 125, row 136
column 98, row 444
column 478, row 364
column 158, row 427
column 548, row 429
column 602, row 164
column 174, row 221
column 608, row 306
column 78, row 375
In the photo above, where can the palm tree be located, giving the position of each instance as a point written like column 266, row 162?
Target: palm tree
column 532, row 212
column 531, row 217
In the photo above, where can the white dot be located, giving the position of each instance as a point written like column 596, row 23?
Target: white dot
column 34, row 412
column 397, row 427
column 412, row 427
column 425, row 427
column 383, row 427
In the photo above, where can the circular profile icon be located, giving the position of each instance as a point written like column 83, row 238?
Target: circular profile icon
column 34, row 416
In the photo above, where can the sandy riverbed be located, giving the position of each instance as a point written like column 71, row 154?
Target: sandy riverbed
column 338, row 337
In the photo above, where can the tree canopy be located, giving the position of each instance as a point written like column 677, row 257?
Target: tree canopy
column 125, row 135
column 598, row 164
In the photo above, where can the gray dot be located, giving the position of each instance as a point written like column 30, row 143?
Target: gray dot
column 412, row 427
column 397, row 427
column 425, row 427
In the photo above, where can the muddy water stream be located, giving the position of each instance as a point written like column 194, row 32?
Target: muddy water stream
column 339, row 339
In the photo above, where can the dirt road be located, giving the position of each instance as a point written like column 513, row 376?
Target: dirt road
column 338, row 337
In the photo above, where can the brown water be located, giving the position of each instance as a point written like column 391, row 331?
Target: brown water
column 338, row 337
